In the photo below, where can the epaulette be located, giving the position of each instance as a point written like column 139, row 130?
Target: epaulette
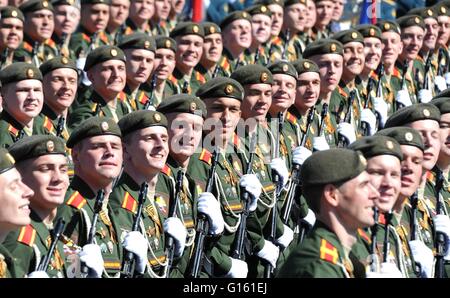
column 143, row 98
column 50, row 43
column 173, row 79
column 277, row 41
column 27, row 235
column 225, row 64
column 328, row 252
column 48, row 125
column 205, row 156
column 382, row 219
column 364, row 235
column 103, row 37
column 342, row 92
column 76, row 200
column 122, row 96
column 396, row 73
column 14, row 131
column 27, row 47
column 86, row 37
column 291, row 118
column 129, row 203
column 373, row 75
column 166, row 171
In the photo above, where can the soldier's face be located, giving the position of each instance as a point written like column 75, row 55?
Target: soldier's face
column 108, row 77
column 67, row 18
column 15, row 200
column 48, row 176
column 238, row 34
column 189, row 51
column 393, row 46
column 164, row 63
column 353, row 59
column 177, row 5
column 338, row 9
column 142, row 9
column 257, row 101
column 24, row 99
column 212, row 48
column 372, row 52
column 118, row 12
column 444, row 128
column 11, row 33
column 324, row 11
column 277, row 19
column 385, row 172
column 330, row 67
column 283, row 92
column 162, row 9
column 261, row 28
column 224, row 114
column 139, row 65
column 147, row 150
column 431, row 34
column 412, row 169
column 429, row 130
column 185, row 134
column 311, row 15
column 294, row 17
column 444, row 30
column 39, row 24
column 308, row 90
column 412, row 38
column 60, row 88
column 94, row 17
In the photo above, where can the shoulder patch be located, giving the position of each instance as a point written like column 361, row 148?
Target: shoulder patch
column 76, row 200
column 48, row 125
column 328, row 252
column 166, row 171
column 364, row 235
column 291, row 118
column 205, row 156
column 342, row 92
column 14, row 131
column 236, row 140
column 129, row 203
column 27, row 235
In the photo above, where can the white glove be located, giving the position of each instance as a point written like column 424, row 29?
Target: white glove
column 239, row 269
column 208, row 205
column 440, row 82
column 80, row 65
column 300, row 154
column 346, row 130
column 279, row 166
column 253, row 186
column 442, row 224
column 369, row 117
column 269, row 252
column 422, row 255
column 320, row 144
column 425, row 95
column 403, row 97
column 285, row 239
column 136, row 243
column 38, row 274
column 381, row 106
column 390, row 270
column 91, row 256
column 176, row 229
column 447, row 78
column 310, row 218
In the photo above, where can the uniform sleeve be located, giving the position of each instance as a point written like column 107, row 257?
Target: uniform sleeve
column 24, row 258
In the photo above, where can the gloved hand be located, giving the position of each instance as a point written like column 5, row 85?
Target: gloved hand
column 425, row 96
column 310, row 218
column 253, row 186
column 381, row 106
column 136, row 243
column 285, row 239
column 279, row 166
column 403, row 97
column 208, row 205
column 390, row 270
column 176, row 229
column 346, row 130
column 300, row 154
column 38, row 274
column 320, row 144
column 151, row 108
column 80, row 65
column 422, row 255
column 91, row 256
column 269, row 252
column 239, row 269
column 442, row 224
column 440, row 82
column 447, row 78
column 369, row 117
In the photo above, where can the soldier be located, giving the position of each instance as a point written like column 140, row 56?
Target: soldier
column 118, row 14
column 209, row 66
column 11, row 33
column 294, row 20
column 139, row 17
column 338, row 11
column 443, row 17
column 42, row 162
column 176, row 8
column 338, row 190
column 258, row 52
column 276, row 44
column 67, row 18
column 310, row 20
column 159, row 21
column 324, row 11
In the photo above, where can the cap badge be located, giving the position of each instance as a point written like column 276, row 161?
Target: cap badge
column 113, row 52
column 104, row 126
column 389, row 145
column 430, row 12
column 306, row 65
column 212, row 29
column 50, row 146
column 45, row 3
column 168, row 44
column 229, row 89
column 157, row 118
column 285, row 67
column 417, row 20
column 263, row 9
column 30, row 73
column 195, row 29
column 409, row 136
column 387, row 26
column 264, row 77
column 333, row 47
column 372, row 32
column 64, row 60
column 362, row 159
column 354, row 35
column 14, row 13
column 426, row 113
column 193, row 106
column 147, row 44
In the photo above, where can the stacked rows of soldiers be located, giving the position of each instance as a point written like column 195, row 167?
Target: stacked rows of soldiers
column 137, row 145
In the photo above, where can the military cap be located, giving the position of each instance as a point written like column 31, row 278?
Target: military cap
column 252, row 74
column 404, row 136
column 292, row 2
column 210, row 28
column 183, row 103
column 94, row 126
column 73, row 3
column 35, row 146
column 411, row 20
column 141, row 119
column 235, row 15
column 442, row 9
column 259, row 9
column 138, row 40
column 102, row 54
column 270, row 2
column 323, row 46
column 221, row 87
column 350, row 35
column 445, row 93
column 107, row 2
column 187, row 28
column 442, row 103
column 283, row 67
column 56, row 63
column 388, row 26
column 7, row 162
column 415, row 112
column 333, row 166
column 369, row 31
column 424, row 12
column 34, row 5
column 19, row 71
column 163, row 42
column 11, row 12
column 305, row 65
column 377, row 145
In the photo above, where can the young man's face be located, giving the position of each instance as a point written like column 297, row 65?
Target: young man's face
column 94, row 17
column 308, row 90
column 429, row 130
column 238, row 34
column 60, row 88
column 431, row 34
column 162, row 9
column 212, row 48
column 189, row 51
column 261, row 27
column 412, row 38
column 393, row 47
column 373, row 49
column 311, row 15
column 330, row 67
column 353, row 60
column 39, row 25
column 23, row 99
column 257, row 101
column 139, row 65
column 164, row 63
column 11, row 33
column 142, row 9
column 108, row 78
column 324, row 11
column 118, row 12
column 444, row 129
column 338, row 10
column 283, row 92
column 185, row 134
column 224, row 114
column 277, row 19
column 294, row 17
column 444, row 30
column 67, row 18
column 412, row 169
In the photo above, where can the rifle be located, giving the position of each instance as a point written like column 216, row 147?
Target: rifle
column 60, row 126
column 380, row 73
column 185, row 88
column 202, row 223
column 286, row 41
column 404, row 87
column 35, row 58
column 427, row 69
column 128, row 259
column 257, row 56
column 414, row 200
column 152, row 93
column 373, row 242
column 440, row 71
column 347, row 118
column 322, row 120
column 364, row 126
column 386, row 243
column 61, row 43
column 119, row 34
column 439, row 236
column 216, row 71
column 56, row 233
column 5, row 55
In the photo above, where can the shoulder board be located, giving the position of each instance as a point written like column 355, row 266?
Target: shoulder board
column 291, row 118
column 103, row 37
column 364, row 235
column 277, row 41
column 205, row 156
column 342, row 92
column 143, row 98
column 85, row 37
column 13, row 130
column 328, row 252
column 224, row 64
column 48, row 125
column 396, row 73
column 166, row 171
column 129, row 203
column 27, row 47
column 382, row 219
column 173, row 79
column 76, row 200
column 122, row 96
column 27, row 235
column 373, row 75
column 128, row 30
column 50, row 43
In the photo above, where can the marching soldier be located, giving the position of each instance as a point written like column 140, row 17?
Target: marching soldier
column 11, row 34
column 209, row 66
column 140, row 13
column 276, row 43
column 261, row 19
column 324, row 11
column 159, row 20
column 294, row 22
column 118, row 14
column 67, row 18
column 443, row 17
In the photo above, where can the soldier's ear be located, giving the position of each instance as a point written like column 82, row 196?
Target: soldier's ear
column 330, row 195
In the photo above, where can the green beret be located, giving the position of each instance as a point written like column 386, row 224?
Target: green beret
column 163, row 42
column 442, row 9
column 102, row 54
column 322, row 47
column 283, row 67
column 35, row 146
column 404, row 136
column 187, row 28
column 107, row 2
column 369, row 31
column 235, row 15
column 415, row 112
column 333, row 166
column 252, row 74
column 141, row 119
column 445, row 93
column 138, row 40
column 65, row 2
column 221, row 87
column 11, row 12
column 377, row 145
column 183, row 103
column 94, row 126
column 34, row 5
column 56, row 63
column 6, row 161
column 411, row 20
column 305, row 65
column 389, row 26
column 424, row 12
column 19, row 71
column 259, row 9
column 443, row 104
column 210, row 28
column 270, row 2
column 349, row 35
column 292, row 2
